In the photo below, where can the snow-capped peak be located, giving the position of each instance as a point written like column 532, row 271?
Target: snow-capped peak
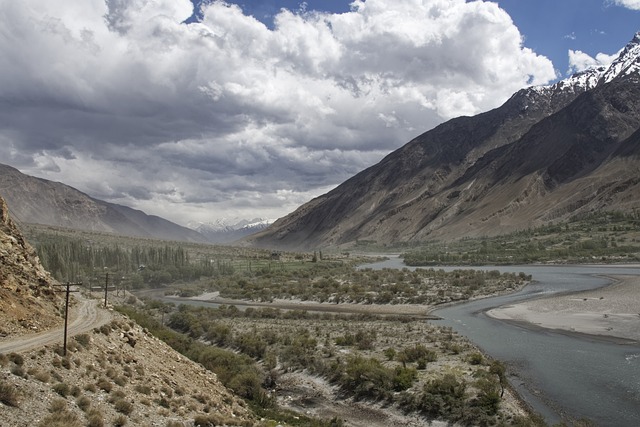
column 229, row 224
column 628, row 62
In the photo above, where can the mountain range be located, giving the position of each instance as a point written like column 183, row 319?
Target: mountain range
column 40, row 201
column 546, row 154
column 228, row 230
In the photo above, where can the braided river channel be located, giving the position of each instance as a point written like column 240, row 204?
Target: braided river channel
column 563, row 376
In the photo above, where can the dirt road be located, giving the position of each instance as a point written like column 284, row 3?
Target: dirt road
column 84, row 317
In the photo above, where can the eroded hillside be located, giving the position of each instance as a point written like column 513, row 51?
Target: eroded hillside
column 115, row 373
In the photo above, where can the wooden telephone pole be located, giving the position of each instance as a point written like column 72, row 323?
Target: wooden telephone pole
column 66, row 313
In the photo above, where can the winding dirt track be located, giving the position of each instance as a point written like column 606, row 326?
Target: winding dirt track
column 83, row 318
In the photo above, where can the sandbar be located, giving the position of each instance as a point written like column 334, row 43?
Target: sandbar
column 612, row 311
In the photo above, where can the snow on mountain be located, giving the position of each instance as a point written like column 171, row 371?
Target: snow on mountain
column 628, row 61
column 226, row 230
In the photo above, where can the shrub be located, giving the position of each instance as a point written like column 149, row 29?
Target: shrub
column 61, row 419
column 417, row 353
column 104, row 385
column 475, row 358
column 18, row 371
column 8, row 394
column 60, row 416
column 120, row 421
column 83, row 339
column 62, row 389
column 41, row 375
column 95, row 419
column 443, row 398
column 403, row 378
column 58, row 405
column 390, row 353
column 123, row 406
column 366, row 378
column 246, row 384
column 83, row 403
column 74, row 391
column 16, row 358
column 66, row 363
column 144, row 389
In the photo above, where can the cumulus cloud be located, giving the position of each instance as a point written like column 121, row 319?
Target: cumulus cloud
column 630, row 4
column 580, row 61
column 227, row 116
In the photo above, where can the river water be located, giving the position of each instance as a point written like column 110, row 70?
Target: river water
column 561, row 376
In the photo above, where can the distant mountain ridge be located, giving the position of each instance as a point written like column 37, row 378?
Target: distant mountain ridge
column 228, row 230
column 39, row 201
column 545, row 154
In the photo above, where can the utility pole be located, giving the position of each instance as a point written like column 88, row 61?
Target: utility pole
column 66, row 314
column 106, row 286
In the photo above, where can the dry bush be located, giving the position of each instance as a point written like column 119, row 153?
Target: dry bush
column 83, row 403
column 16, row 358
column 8, row 394
column 120, row 421
column 62, row 389
column 123, row 406
column 95, row 418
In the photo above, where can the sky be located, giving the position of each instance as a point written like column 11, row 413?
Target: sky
column 251, row 109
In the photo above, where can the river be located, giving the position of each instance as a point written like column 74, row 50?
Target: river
column 562, row 376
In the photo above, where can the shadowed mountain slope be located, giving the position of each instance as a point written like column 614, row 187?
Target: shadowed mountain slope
column 544, row 155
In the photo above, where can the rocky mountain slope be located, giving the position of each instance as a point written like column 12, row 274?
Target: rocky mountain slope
column 28, row 301
column 546, row 154
column 39, row 201
column 116, row 374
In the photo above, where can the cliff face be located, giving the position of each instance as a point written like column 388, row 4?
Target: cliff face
column 28, row 302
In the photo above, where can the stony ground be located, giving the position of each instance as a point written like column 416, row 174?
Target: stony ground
column 116, row 375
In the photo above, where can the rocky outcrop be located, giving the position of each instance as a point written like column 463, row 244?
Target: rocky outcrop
column 28, row 301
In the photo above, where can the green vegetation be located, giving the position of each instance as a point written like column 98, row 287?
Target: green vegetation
column 250, row 274
column 135, row 263
column 251, row 349
column 603, row 237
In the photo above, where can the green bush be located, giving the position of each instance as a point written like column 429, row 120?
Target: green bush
column 475, row 358
column 367, row 378
column 444, row 398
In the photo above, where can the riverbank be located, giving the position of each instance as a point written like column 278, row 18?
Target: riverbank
column 612, row 311
column 410, row 310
